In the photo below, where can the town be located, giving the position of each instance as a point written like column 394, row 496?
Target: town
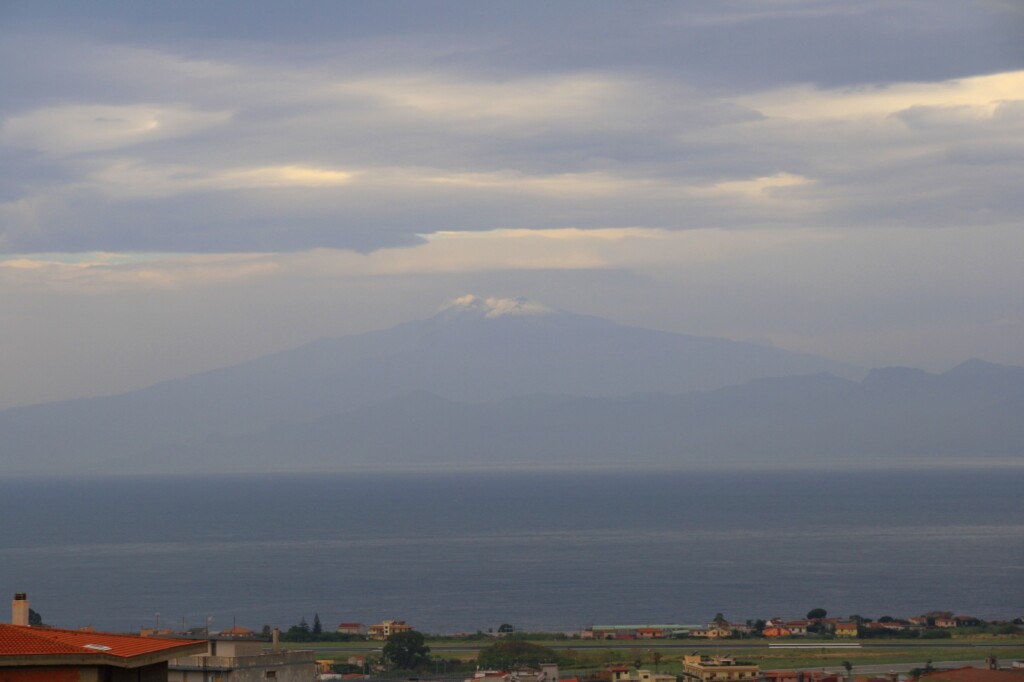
column 394, row 650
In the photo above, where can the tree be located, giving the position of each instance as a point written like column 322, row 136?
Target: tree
column 657, row 659
column 816, row 613
column 506, row 629
column 303, row 625
column 719, row 618
column 406, row 650
column 317, row 627
column 34, row 619
column 915, row 673
column 513, row 653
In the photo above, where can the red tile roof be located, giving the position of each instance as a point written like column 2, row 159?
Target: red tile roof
column 237, row 631
column 974, row 675
column 21, row 640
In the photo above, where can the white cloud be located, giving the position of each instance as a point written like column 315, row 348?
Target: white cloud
column 135, row 179
column 562, row 97
column 106, row 273
column 803, row 103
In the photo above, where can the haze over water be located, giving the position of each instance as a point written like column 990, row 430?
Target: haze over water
column 461, row 552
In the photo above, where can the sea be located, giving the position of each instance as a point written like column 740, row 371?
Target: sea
column 544, row 550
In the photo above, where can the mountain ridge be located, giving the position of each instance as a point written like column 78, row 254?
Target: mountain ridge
column 473, row 354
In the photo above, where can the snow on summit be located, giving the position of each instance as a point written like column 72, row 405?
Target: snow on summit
column 492, row 307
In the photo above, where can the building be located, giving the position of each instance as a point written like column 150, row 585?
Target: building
column 387, row 628
column 242, row 658
column 797, row 627
column 548, row 672
column 697, row 668
column 847, row 629
column 352, row 629
column 620, row 673
column 38, row 654
column 648, row 676
column 969, row 674
column 777, row 631
column 712, row 631
column 643, row 631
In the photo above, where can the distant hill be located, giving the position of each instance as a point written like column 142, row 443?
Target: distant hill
column 913, row 417
column 475, row 351
column 510, row 383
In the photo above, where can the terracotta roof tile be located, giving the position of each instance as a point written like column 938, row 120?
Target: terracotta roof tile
column 20, row 640
column 974, row 675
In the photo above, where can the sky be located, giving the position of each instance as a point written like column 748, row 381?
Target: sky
column 189, row 185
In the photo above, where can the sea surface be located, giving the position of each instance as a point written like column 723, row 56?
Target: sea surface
column 460, row 552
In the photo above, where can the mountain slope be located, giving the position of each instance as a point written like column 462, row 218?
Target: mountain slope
column 471, row 352
column 895, row 414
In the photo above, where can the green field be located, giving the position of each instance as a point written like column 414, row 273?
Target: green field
column 592, row 655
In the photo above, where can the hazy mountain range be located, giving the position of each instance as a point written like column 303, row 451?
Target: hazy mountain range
column 509, row 382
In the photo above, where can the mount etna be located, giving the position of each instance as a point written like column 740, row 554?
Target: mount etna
column 501, row 382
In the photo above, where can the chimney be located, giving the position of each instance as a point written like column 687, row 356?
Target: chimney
column 275, row 639
column 19, row 609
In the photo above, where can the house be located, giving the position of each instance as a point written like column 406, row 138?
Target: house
column 893, row 625
column 697, row 668
column 385, row 629
column 240, row 658
column 712, row 631
column 776, row 631
column 969, row 674
column 945, row 622
column 47, row 654
column 649, row 633
column 547, row 672
column 33, row 653
column 797, row 627
column 846, row 629
column 620, row 673
column 352, row 629
column 648, row 676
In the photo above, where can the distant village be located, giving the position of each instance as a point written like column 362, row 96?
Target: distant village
column 31, row 651
column 932, row 625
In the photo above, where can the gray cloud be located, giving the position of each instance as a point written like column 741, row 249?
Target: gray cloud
column 877, row 145
column 643, row 95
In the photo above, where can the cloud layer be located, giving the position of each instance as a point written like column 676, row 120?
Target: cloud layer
column 827, row 175
column 202, row 147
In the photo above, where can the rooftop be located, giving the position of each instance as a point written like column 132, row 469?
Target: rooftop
column 20, row 641
column 974, row 675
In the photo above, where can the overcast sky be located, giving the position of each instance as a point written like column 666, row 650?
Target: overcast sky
column 185, row 185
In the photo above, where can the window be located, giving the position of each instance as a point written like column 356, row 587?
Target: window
column 271, row 675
